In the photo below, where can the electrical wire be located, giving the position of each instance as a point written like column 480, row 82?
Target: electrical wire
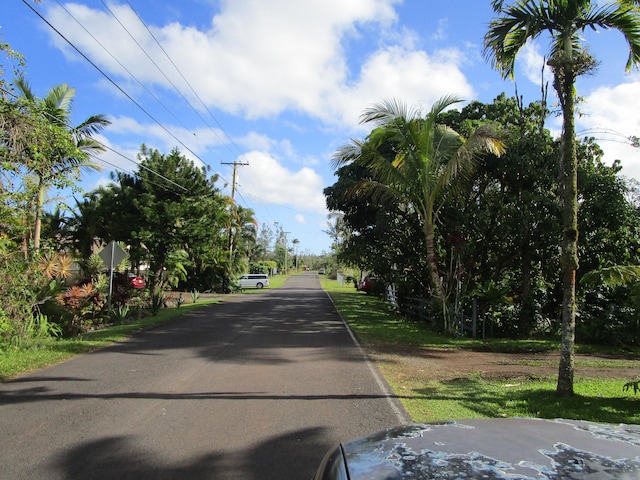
column 175, row 88
column 628, row 139
column 134, row 174
column 112, row 81
column 106, row 147
column 144, row 167
column 123, row 67
column 244, row 200
column 204, row 105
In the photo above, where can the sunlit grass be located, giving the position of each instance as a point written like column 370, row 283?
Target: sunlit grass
column 375, row 321
column 427, row 399
column 600, row 400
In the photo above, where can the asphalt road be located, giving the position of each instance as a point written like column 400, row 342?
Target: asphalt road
column 258, row 387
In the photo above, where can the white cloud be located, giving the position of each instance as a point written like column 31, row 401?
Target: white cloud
column 257, row 59
column 101, row 182
column 192, row 143
column 441, row 31
column 257, row 141
column 120, row 157
column 611, row 115
column 265, row 180
column 532, row 63
column 262, row 58
column 411, row 76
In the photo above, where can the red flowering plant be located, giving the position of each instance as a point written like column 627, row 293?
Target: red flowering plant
column 84, row 302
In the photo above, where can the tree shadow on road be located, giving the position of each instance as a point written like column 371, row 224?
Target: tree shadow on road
column 291, row 456
column 259, row 328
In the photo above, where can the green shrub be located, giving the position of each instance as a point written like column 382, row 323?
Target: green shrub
column 157, row 302
column 23, row 287
column 120, row 314
column 195, row 294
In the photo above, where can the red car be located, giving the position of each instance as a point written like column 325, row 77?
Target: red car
column 368, row 284
column 136, row 281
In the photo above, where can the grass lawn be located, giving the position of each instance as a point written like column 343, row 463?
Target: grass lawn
column 600, row 400
column 399, row 348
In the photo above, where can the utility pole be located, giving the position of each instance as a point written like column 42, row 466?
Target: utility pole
column 233, row 209
column 235, row 177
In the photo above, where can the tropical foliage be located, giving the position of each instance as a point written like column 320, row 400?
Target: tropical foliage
column 55, row 153
column 497, row 233
column 462, row 207
column 412, row 161
column 176, row 228
column 521, row 21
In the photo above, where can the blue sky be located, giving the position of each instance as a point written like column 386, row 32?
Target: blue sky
column 279, row 85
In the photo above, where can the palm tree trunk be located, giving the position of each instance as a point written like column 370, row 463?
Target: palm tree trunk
column 565, row 86
column 435, row 278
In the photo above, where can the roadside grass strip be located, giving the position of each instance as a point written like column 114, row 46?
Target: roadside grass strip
column 472, row 395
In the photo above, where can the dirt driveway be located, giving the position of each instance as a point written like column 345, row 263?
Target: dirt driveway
column 447, row 364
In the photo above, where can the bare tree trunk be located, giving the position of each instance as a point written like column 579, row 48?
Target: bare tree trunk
column 155, row 279
column 37, row 227
column 565, row 371
column 526, row 310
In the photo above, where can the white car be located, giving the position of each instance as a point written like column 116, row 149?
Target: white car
column 254, row 280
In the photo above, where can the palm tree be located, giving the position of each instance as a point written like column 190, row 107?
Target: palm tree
column 62, row 163
column 87, row 224
column 244, row 233
column 336, row 230
column 414, row 160
column 295, row 243
column 564, row 21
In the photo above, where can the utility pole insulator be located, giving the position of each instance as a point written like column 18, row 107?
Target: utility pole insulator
column 235, row 176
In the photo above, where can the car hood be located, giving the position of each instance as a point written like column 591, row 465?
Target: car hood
column 497, row 448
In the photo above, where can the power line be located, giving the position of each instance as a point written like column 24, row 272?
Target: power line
column 106, row 147
column 221, row 177
column 123, row 66
column 235, row 177
column 231, row 141
column 133, row 174
column 630, row 140
column 112, row 81
column 165, row 75
column 184, row 78
column 140, row 165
